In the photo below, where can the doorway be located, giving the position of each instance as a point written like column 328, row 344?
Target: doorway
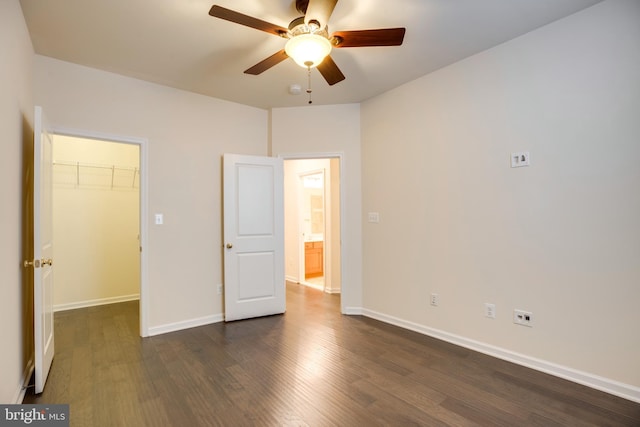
column 311, row 206
column 97, row 221
column 312, row 223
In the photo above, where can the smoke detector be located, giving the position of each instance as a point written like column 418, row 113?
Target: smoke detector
column 295, row 89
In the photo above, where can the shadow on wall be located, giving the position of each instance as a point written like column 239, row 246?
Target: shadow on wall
column 27, row 250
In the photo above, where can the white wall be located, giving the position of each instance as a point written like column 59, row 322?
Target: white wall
column 312, row 130
column 187, row 135
column 560, row 238
column 96, row 220
column 16, row 128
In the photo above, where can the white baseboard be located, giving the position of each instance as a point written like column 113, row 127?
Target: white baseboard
column 24, row 382
column 185, row 324
column 312, row 285
column 353, row 311
column 616, row 388
column 94, row 302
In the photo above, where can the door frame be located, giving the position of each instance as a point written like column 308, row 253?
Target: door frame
column 340, row 157
column 142, row 144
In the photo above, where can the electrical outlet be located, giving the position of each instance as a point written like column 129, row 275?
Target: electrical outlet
column 435, row 300
column 524, row 318
column 490, row 310
column 219, row 289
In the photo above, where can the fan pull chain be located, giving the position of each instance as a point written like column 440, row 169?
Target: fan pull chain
column 309, row 83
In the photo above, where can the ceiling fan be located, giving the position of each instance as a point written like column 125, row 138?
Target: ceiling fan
column 309, row 43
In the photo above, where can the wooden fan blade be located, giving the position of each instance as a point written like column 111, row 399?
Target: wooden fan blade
column 248, row 21
column 264, row 65
column 363, row 38
column 319, row 10
column 330, row 71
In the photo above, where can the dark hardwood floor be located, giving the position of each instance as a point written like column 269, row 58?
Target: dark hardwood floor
column 309, row 367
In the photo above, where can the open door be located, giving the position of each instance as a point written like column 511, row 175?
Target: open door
column 42, row 262
column 253, row 236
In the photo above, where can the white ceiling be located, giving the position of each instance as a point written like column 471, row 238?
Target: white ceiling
column 176, row 43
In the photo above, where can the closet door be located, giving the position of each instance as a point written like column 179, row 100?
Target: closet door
column 42, row 262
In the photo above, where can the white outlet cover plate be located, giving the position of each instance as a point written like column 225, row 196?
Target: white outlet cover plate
column 490, row 310
column 435, row 300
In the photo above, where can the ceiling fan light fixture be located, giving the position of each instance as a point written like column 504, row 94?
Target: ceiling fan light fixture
column 308, row 50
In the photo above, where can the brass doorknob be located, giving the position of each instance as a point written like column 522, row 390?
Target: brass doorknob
column 229, row 245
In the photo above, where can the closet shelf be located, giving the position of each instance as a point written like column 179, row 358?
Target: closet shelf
column 78, row 174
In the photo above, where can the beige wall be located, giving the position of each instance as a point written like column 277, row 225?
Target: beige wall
column 313, row 130
column 187, row 135
column 560, row 238
column 95, row 222
column 16, row 128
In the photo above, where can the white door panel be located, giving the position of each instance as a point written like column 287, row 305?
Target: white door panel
column 256, row 276
column 253, row 236
column 42, row 263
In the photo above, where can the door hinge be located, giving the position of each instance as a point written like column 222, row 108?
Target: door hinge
column 35, row 263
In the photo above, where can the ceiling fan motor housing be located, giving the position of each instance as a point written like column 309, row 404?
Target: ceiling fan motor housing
column 298, row 26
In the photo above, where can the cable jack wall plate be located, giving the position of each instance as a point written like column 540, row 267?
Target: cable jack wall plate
column 524, row 318
column 521, row 159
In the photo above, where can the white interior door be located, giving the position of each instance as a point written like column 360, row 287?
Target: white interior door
column 43, row 251
column 253, row 236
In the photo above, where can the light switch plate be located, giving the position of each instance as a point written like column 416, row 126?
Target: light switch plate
column 374, row 217
column 159, row 219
